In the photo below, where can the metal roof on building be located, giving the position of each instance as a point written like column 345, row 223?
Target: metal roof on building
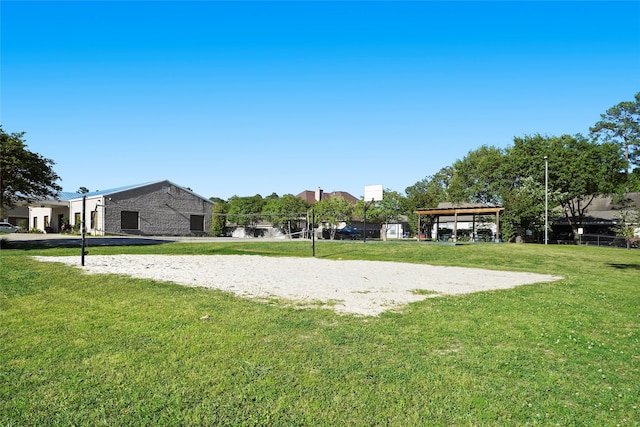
column 68, row 196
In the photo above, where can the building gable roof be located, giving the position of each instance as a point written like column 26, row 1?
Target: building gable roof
column 607, row 208
column 68, row 196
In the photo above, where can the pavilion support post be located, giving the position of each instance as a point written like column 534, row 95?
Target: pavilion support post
column 473, row 228
column 497, row 226
column 455, row 226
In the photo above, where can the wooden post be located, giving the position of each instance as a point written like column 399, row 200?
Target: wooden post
column 473, row 229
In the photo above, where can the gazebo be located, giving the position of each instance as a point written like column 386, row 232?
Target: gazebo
column 448, row 209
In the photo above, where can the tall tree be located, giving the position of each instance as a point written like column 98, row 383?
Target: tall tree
column 386, row 211
column 332, row 211
column 219, row 217
column 427, row 193
column 524, row 209
column 24, row 175
column 621, row 124
column 286, row 211
column 478, row 177
column 245, row 211
column 579, row 170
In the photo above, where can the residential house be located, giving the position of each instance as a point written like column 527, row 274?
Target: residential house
column 319, row 194
column 600, row 217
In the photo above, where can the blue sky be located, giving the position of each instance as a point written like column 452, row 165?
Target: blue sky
column 245, row 98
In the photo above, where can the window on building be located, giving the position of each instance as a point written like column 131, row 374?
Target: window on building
column 35, row 222
column 46, row 221
column 94, row 219
column 129, row 220
column 197, row 223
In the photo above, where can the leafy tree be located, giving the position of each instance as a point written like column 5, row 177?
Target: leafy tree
column 386, row 211
column 427, row 193
column 285, row 211
column 628, row 221
column 634, row 180
column 332, row 211
column 82, row 190
column 218, row 220
column 217, row 200
column 245, row 211
column 524, row 192
column 478, row 177
column 621, row 124
column 24, row 175
column 524, row 209
column 579, row 170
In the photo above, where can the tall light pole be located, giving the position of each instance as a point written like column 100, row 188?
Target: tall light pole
column 546, row 199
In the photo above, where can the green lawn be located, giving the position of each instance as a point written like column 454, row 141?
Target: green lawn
column 108, row 350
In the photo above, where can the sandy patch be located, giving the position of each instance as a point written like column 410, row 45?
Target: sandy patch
column 354, row 287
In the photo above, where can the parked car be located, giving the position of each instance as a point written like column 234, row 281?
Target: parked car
column 348, row 232
column 5, row 227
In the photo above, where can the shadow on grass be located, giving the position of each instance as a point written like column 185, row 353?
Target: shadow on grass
column 73, row 242
column 625, row 266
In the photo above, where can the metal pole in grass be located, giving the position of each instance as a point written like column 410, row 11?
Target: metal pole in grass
column 83, row 229
column 313, row 233
column 546, row 199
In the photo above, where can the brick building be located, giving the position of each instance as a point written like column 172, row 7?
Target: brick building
column 155, row 208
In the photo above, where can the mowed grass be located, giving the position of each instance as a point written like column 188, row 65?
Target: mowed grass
column 92, row 350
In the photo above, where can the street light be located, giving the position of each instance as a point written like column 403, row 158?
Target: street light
column 546, row 199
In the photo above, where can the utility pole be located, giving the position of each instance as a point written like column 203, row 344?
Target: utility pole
column 546, row 199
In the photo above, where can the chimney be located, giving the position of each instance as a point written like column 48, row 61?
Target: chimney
column 318, row 194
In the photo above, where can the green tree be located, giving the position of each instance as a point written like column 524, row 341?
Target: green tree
column 427, row 193
column 24, row 175
column 579, row 170
column 479, row 177
column 524, row 209
column 627, row 225
column 245, row 211
column 621, row 124
column 286, row 212
column 219, row 217
column 524, row 193
column 332, row 211
column 386, row 211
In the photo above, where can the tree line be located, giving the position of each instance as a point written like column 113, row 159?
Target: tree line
column 576, row 168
